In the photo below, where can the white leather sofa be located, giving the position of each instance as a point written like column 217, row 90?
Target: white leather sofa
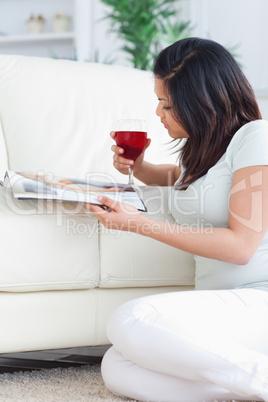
column 61, row 272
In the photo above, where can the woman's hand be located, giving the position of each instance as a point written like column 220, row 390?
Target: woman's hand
column 116, row 215
column 122, row 164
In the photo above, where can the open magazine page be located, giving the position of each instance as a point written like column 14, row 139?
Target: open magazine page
column 26, row 185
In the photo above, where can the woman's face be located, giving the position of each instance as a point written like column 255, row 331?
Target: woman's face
column 164, row 111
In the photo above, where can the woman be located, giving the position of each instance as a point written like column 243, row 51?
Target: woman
column 210, row 343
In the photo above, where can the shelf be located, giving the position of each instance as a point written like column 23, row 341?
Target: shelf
column 78, row 40
column 47, row 36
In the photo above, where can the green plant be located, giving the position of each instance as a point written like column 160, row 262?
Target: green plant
column 146, row 26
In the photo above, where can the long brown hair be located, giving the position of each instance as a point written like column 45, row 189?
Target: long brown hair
column 210, row 98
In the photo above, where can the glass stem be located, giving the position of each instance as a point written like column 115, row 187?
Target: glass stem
column 130, row 175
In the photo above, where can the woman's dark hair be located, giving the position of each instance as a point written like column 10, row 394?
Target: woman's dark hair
column 210, row 98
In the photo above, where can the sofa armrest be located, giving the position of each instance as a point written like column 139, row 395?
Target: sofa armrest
column 131, row 260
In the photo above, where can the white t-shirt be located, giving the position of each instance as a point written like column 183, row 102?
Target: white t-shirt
column 205, row 204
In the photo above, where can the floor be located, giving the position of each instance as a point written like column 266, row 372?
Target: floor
column 11, row 362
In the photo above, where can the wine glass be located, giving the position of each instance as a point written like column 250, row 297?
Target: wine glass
column 131, row 135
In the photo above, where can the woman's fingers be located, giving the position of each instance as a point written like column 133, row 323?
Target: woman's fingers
column 122, row 162
column 119, row 161
column 115, row 215
column 101, row 211
column 108, row 202
column 117, row 150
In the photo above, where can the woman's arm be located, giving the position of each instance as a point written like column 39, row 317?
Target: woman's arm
column 161, row 175
column 248, row 222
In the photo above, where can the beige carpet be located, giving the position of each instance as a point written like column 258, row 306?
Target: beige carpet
column 52, row 385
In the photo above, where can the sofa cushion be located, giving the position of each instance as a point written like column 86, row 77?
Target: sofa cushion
column 145, row 261
column 47, row 246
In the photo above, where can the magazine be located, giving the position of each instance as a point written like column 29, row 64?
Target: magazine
column 26, row 185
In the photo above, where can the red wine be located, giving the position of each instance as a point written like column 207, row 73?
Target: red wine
column 133, row 143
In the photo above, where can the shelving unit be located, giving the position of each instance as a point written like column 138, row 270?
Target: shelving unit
column 16, row 39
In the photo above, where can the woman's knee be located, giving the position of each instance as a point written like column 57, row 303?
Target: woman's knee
column 109, row 370
column 115, row 370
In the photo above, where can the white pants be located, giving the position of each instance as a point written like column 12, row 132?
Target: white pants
column 190, row 347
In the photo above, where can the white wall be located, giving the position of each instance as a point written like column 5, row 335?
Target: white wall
column 243, row 22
